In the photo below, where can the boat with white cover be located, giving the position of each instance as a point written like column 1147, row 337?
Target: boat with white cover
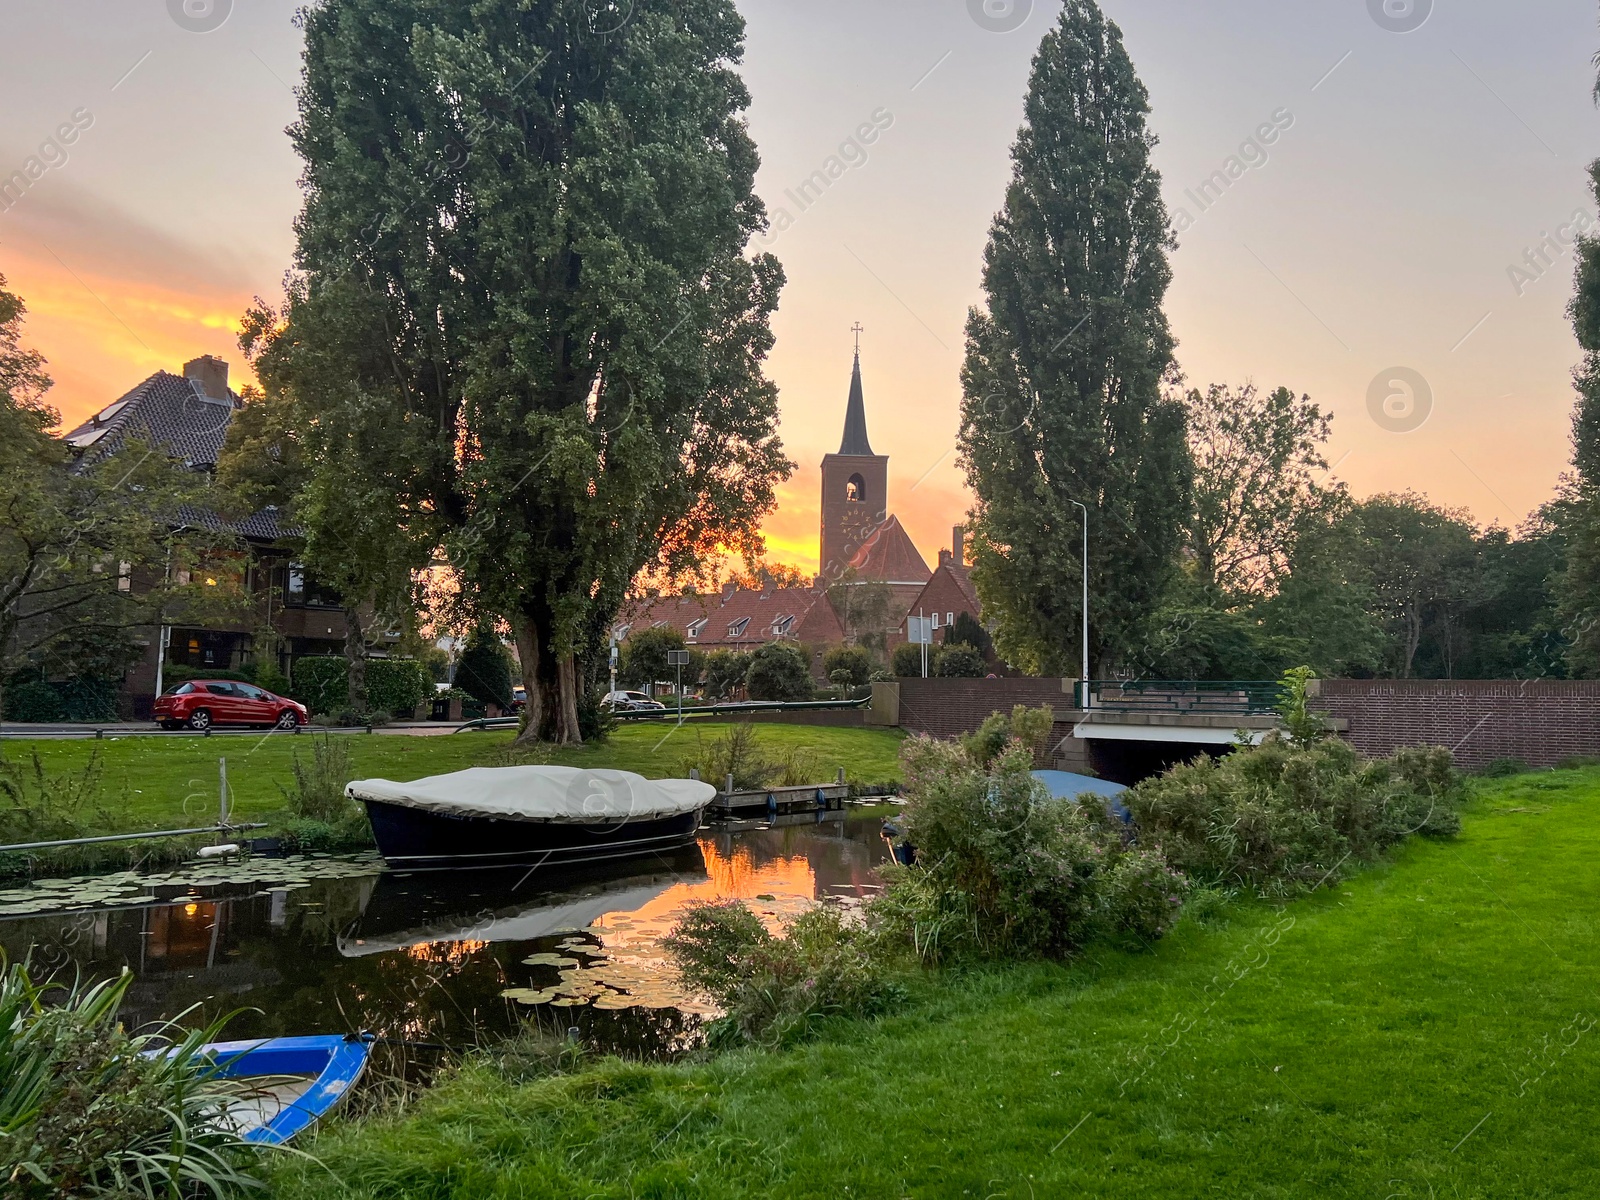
column 529, row 816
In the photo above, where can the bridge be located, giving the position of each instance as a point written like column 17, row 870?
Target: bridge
column 1126, row 729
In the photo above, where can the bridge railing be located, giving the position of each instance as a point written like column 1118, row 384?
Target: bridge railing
column 1232, row 697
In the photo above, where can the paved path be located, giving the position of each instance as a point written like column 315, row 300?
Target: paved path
column 14, row 729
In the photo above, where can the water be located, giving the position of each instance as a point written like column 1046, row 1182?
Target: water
column 336, row 945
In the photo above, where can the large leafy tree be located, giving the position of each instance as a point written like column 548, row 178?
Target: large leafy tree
column 1063, row 377
column 523, row 262
column 1257, row 460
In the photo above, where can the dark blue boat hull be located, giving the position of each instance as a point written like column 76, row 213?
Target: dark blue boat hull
column 412, row 839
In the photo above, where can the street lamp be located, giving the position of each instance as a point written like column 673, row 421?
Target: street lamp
column 1085, row 602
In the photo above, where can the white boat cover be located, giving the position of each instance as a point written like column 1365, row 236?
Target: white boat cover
column 568, row 794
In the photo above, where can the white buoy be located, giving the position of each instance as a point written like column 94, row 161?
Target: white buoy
column 221, row 851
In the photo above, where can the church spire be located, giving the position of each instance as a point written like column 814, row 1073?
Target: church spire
column 855, row 414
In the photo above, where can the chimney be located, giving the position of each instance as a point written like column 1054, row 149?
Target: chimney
column 958, row 545
column 211, row 373
column 945, row 558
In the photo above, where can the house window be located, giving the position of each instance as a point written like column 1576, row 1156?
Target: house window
column 782, row 626
column 124, row 577
column 698, row 627
column 936, row 620
column 736, row 629
column 949, row 618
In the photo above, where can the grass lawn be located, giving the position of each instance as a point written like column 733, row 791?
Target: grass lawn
column 167, row 782
column 1427, row 1029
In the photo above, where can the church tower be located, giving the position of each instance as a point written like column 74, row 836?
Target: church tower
column 855, row 486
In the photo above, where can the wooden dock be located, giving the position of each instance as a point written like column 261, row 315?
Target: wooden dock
column 781, row 801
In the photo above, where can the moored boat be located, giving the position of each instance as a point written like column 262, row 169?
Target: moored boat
column 529, row 816
column 285, row 1084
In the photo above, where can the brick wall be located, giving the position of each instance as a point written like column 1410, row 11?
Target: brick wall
column 1479, row 720
column 946, row 707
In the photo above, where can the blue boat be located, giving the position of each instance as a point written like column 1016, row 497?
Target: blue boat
column 286, row 1083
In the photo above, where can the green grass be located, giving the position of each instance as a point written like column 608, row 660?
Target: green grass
column 1421, row 1031
column 170, row 782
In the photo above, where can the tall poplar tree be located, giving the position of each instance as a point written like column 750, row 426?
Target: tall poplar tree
column 1063, row 376
column 524, row 271
column 1578, row 590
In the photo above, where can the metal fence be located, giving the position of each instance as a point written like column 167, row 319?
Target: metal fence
column 1178, row 697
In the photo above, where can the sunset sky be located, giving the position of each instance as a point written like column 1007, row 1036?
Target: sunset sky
column 1415, row 172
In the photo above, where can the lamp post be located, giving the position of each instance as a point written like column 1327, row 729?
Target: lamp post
column 1085, row 603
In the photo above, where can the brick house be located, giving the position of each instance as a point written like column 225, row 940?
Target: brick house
column 188, row 417
column 949, row 592
column 742, row 619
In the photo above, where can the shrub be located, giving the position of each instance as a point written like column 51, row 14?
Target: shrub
column 318, row 792
column 484, row 671
column 1030, row 726
column 270, row 679
column 734, row 753
column 321, row 683
column 1005, row 870
column 33, row 702
column 906, row 661
column 1294, row 707
column 1504, row 768
column 772, row 988
column 778, row 671
column 725, row 672
column 967, row 632
column 1285, row 816
column 397, row 685
column 88, row 1110
column 958, row 661
column 854, row 661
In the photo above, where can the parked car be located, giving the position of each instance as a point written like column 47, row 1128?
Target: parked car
column 204, row 703
column 519, row 698
column 632, row 702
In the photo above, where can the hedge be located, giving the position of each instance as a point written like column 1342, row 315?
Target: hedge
column 321, row 683
column 394, row 685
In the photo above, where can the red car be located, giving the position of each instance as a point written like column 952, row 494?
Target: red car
column 207, row 702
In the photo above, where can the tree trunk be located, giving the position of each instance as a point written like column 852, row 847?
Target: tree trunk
column 551, row 684
column 568, row 733
column 526, row 633
column 355, row 653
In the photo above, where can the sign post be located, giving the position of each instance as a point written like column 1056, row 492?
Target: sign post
column 919, row 632
column 680, row 660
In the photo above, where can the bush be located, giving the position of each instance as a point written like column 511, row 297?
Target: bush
column 725, row 672
column 967, row 632
column 36, row 806
column 1030, row 726
column 853, row 660
column 484, row 671
column 774, row 989
column 270, row 679
column 318, row 792
column 321, row 683
column 1504, row 768
column 958, row 661
column 397, row 685
column 734, row 753
column 88, row 1110
column 778, row 671
column 1284, row 816
column 1004, row 870
column 33, row 702
column 906, row 661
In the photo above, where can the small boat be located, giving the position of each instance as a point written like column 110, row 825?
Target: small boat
column 285, row 1084
column 529, row 817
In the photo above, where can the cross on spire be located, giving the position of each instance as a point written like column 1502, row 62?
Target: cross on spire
column 858, row 331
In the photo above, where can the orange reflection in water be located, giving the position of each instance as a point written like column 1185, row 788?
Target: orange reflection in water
column 453, row 953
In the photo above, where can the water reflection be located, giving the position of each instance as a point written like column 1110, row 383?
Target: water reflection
column 429, row 958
